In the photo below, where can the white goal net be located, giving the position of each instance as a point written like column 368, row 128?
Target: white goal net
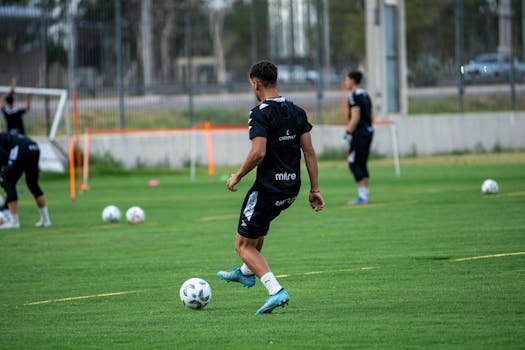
column 42, row 122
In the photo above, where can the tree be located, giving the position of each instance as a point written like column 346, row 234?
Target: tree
column 218, row 9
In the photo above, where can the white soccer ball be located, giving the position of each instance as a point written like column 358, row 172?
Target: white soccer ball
column 489, row 186
column 135, row 215
column 195, row 293
column 111, row 214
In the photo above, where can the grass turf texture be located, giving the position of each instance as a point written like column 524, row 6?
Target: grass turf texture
column 412, row 295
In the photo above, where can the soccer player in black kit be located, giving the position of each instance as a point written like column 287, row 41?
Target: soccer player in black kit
column 360, row 128
column 279, row 131
column 12, row 114
column 19, row 155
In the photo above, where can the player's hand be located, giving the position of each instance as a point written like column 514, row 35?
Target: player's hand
column 345, row 141
column 232, row 181
column 316, row 201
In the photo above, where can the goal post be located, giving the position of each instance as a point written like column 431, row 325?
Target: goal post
column 60, row 93
column 35, row 121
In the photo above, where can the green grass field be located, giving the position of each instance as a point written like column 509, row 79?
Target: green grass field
column 381, row 276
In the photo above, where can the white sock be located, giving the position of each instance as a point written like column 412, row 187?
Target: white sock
column 270, row 282
column 245, row 270
column 44, row 215
column 363, row 192
column 14, row 218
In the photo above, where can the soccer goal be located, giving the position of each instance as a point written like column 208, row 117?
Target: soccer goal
column 42, row 121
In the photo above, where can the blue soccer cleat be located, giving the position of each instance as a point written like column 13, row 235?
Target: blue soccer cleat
column 236, row 275
column 280, row 299
column 358, row 201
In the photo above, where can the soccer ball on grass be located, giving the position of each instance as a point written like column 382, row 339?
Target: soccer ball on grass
column 135, row 215
column 489, row 186
column 111, row 214
column 195, row 293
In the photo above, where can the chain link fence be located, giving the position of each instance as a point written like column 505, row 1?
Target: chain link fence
column 165, row 63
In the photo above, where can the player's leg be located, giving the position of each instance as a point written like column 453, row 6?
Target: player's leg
column 32, row 176
column 357, row 164
column 11, row 177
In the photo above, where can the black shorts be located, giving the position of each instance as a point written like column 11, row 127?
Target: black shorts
column 259, row 209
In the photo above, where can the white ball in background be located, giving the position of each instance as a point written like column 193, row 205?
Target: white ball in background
column 489, row 186
column 135, row 215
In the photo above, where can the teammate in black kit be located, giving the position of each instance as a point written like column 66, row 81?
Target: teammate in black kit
column 12, row 114
column 19, row 155
column 279, row 131
column 360, row 128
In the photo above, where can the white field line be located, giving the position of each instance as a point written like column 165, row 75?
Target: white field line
column 488, row 256
column 82, row 297
column 331, row 271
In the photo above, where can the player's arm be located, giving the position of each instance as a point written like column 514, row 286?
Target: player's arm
column 315, row 198
column 254, row 157
column 355, row 116
column 3, row 101
column 28, row 102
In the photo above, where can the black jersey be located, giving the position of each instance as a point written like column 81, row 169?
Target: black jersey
column 13, row 119
column 282, row 123
column 360, row 98
column 11, row 146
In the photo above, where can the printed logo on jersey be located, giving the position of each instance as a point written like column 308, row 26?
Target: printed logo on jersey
column 285, row 176
column 287, row 136
column 285, row 201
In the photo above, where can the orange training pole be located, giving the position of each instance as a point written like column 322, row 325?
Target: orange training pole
column 77, row 136
column 209, row 148
column 71, row 169
column 345, row 102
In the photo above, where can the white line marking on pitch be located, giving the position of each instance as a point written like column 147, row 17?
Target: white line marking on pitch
column 331, row 271
column 83, row 297
column 488, row 256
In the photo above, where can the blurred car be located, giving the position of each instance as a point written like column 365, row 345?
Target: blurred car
column 492, row 67
column 329, row 76
column 291, row 74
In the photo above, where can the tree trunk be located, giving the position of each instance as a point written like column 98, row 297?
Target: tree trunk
column 167, row 42
column 216, row 28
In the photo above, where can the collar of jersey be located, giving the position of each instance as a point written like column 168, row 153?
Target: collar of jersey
column 11, row 110
column 277, row 99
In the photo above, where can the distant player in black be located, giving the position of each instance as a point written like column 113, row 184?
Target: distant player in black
column 12, row 114
column 19, row 155
column 279, row 131
column 360, row 128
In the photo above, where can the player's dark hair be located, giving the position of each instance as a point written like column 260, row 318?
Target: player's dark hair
column 356, row 76
column 265, row 71
column 10, row 99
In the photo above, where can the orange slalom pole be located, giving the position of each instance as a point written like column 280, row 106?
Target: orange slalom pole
column 209, row 148
column 77, row 139
column 345, row 102
column 71, row 169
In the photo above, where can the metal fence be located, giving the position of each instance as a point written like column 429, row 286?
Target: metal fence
column 166, row 63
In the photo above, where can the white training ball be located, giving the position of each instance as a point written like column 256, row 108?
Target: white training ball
column 111, row 214
column 135, row 215
column 489, row 186
column 195, row 293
